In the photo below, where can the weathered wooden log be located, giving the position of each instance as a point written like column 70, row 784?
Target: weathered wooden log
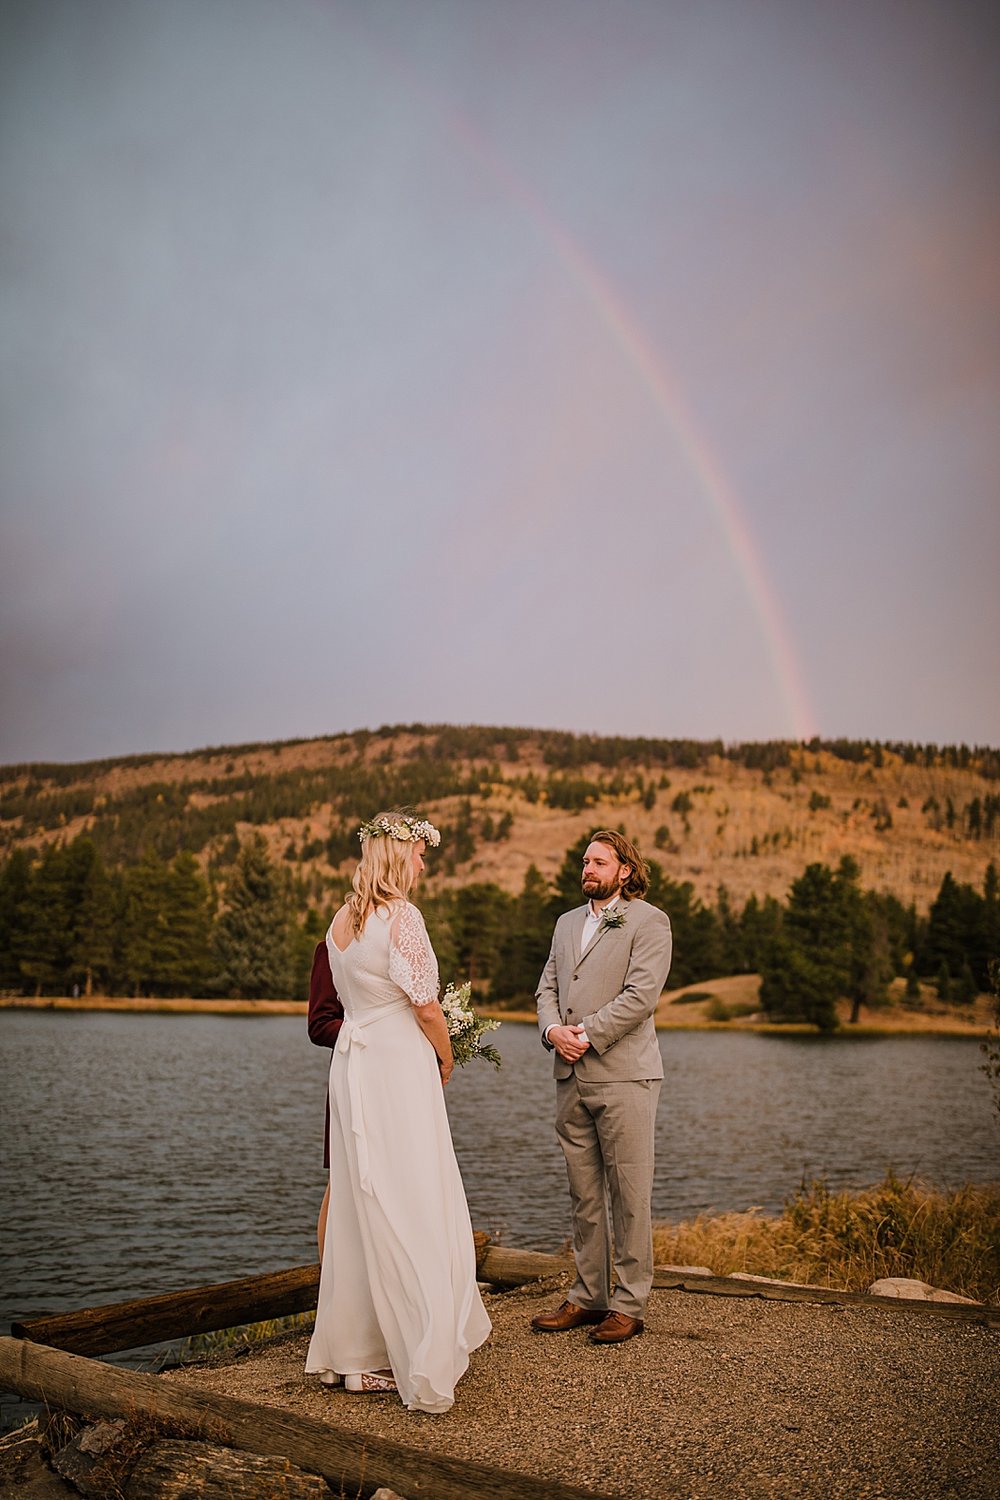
column 175, row 1470
column 357, row 1464
column 501, row 1266
column 175, row 1315
column 510, row 1267
column 277, row 1294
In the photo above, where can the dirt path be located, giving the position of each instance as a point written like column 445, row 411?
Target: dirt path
column 721, row 1397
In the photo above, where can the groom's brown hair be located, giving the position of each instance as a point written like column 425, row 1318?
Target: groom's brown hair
column 637, row 882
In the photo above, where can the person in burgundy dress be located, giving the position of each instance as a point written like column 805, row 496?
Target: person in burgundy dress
column 326, row 1016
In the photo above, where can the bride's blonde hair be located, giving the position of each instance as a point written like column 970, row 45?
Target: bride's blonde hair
column 384, row 874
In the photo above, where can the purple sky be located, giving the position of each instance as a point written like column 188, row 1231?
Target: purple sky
column 627, row 367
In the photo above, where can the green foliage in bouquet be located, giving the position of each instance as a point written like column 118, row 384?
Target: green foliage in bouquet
column 466, row 1028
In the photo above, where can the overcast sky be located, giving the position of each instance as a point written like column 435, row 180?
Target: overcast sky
column 622, row 367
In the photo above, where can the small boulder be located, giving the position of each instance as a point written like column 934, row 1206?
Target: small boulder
column 919, row 1291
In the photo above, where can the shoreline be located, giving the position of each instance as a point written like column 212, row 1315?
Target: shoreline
column 907, row 1023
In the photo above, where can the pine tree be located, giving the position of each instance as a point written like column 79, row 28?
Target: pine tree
column 966, row 991
column 185, row 961
column 523, row 951
column 145, row 937
column 481, row 916
column 826, row 948
column 944, row 983
column 46, row 930
column 95, row 928
column 252, row 934
column 15, row 885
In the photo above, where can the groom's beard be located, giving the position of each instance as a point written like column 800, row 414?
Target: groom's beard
column 598, row 890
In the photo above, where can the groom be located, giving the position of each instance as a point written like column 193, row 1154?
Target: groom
column 605, row 973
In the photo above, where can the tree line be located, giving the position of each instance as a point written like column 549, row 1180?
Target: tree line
column 69, row 923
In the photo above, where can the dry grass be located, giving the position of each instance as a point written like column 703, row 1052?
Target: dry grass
column 752, row 832
column 231, row 1342
column 949, row 1239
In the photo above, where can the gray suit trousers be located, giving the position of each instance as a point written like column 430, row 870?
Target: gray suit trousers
column 606, row 1133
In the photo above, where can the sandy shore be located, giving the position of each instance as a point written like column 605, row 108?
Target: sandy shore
column 674, row 1013
column 720, row 1397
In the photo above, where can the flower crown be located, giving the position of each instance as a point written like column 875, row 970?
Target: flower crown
column 404, row 828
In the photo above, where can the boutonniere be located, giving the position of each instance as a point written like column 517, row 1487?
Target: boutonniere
column 613, row 919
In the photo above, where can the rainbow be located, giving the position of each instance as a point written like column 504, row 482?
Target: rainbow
column 623, row 327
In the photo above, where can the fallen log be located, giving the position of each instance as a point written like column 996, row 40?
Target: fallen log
column 172, row 1470
column 278, row 1294
column 176, row 1315
column 501, row 1266
column 349, row 1461
column 509, row 1267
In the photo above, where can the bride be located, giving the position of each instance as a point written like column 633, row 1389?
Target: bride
column 399, row 1308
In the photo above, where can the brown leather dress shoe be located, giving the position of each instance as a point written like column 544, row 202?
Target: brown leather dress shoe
column 616, row 1328
column 566, row 1317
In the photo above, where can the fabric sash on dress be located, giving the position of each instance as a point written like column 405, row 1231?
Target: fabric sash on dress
column 351, row 1041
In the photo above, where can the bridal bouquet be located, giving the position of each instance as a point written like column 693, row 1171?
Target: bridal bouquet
column 466, row 1028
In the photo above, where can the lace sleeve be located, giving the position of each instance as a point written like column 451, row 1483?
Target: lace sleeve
column 412, row 964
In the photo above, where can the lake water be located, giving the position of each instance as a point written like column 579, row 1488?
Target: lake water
column 142, row 1153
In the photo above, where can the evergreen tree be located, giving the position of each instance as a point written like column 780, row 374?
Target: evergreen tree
column 15, row 885
column 760, row 925
column 957, row 930
column 966, row 991
column 796, row 987
column 252, row 934
column 481, row 914
column 95, row 928
column 46, row 926
column 568, row 890
column 826, row 946
column 991, row 920
column 943, row 984
column 695, row 931
column 871, row 968
column 185, row 960
column 525, row 948
column 144, row 931
column 439, row 914
column 731, row 948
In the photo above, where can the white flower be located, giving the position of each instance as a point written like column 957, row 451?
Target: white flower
column 465, row 1027
column 406, row 830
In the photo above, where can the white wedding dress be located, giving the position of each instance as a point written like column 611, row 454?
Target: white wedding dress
column 398, row 1282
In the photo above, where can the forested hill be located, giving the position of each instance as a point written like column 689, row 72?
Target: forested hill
column 749, row 817
column 215, row 871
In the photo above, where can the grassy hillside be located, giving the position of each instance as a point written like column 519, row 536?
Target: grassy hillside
column 748, row 817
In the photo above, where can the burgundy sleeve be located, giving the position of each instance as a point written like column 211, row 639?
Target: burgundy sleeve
column 326, row 1013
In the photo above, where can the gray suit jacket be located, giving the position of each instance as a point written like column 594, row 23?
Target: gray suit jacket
column 612, row 991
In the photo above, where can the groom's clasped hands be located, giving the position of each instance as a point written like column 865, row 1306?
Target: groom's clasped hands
column 571, row 1042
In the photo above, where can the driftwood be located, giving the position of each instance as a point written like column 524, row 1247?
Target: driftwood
column 173, row 1470
column 517, row 1267
column 357, row 1464
column 176, row 1315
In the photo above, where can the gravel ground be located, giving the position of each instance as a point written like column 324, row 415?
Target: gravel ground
column 720, row 1397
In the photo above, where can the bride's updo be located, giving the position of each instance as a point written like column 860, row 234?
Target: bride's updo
column 385, row 871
